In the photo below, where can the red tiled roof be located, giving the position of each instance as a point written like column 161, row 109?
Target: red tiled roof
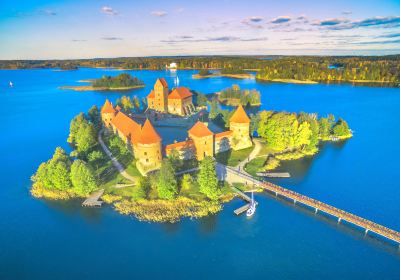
column 107, row 108
column 118, row 108
column 180, row 93
column 179, row 145
column 148, row 134
column 240, row 116
column 223, row 134
column 126, row 126
column 163, row 82
column 151, row 94
column 200, row 130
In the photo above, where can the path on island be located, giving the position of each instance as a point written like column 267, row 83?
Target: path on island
column 114, row 161
column 254, row 153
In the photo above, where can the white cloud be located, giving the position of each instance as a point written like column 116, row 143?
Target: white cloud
column 109, row 11
column 159, row 13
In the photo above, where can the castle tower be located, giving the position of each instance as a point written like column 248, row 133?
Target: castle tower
column 203, row 140
column 158, row 97
column 107, row 113
column 147, row 148
column 239, row 124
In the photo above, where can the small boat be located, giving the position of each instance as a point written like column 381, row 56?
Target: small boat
column 252, row 209
column 11, row 84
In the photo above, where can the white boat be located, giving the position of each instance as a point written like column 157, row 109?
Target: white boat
column 11, row 84
column 252, row 209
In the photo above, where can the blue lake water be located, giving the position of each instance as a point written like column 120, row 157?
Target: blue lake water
column 55, row 240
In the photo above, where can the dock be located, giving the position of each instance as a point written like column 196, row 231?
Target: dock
column 242, row 209
column 246, row 198
column 94, row 199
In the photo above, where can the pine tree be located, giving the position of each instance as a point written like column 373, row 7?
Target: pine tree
column 167, row 186
column 207, row 178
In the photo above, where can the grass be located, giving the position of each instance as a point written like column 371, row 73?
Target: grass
column 233, row 158
column 132, row 170
column 255, row 165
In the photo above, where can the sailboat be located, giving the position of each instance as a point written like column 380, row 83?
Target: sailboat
column 252, row 209
column 11, row 84
column 177, row 81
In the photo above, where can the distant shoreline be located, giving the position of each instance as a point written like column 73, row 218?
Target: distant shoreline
column 235, row 76
column 310, row 82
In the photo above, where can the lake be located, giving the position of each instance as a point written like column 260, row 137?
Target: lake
column 61, row 240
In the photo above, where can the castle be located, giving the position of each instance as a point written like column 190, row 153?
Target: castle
column 146, row 143
column 178, row 102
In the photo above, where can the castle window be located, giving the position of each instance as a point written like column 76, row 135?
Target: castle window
column 145, row 153
column 147, row 160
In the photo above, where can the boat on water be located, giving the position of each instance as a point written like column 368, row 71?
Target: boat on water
column 252, row 209
column 11, row 84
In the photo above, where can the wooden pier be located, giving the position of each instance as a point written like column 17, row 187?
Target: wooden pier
column 318, row 206
column 246, row 198
column 242, row 209
column 93, row 199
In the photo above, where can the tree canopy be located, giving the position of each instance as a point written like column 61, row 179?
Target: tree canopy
column 207, row 179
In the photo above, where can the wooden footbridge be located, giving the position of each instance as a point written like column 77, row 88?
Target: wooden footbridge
column 341, row 215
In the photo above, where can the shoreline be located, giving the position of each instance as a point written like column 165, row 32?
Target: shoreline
column 92, row 88
column 234, row 76
column 310, row 82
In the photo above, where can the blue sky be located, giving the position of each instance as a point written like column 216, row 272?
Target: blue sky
column 44, row 29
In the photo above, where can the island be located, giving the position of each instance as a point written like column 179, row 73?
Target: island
column 234, row 96
column 118, row 155
column 120, row 82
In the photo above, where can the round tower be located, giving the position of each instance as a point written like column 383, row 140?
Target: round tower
column 203, row 140
column 107, row 113
column 147, row 149
column 239, row 124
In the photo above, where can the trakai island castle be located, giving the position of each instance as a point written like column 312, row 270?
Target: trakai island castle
column 146, row 144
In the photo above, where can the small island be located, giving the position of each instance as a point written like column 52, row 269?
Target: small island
column 120, row 82
column 118, row 155
column 225, row 72
column 234, row 96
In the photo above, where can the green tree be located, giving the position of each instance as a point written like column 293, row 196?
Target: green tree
column 54, row 174
column 175, row 159
column 186, row 182
column 126, row 103
column 74, row 127
column 324, row 128
column 118, row 146
column 85, row 137
column 94, row 116
column 167, row 187
column 95, row 156
column 207, row 179
column 82, row 178
column 136, row 103
column 341, row 129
